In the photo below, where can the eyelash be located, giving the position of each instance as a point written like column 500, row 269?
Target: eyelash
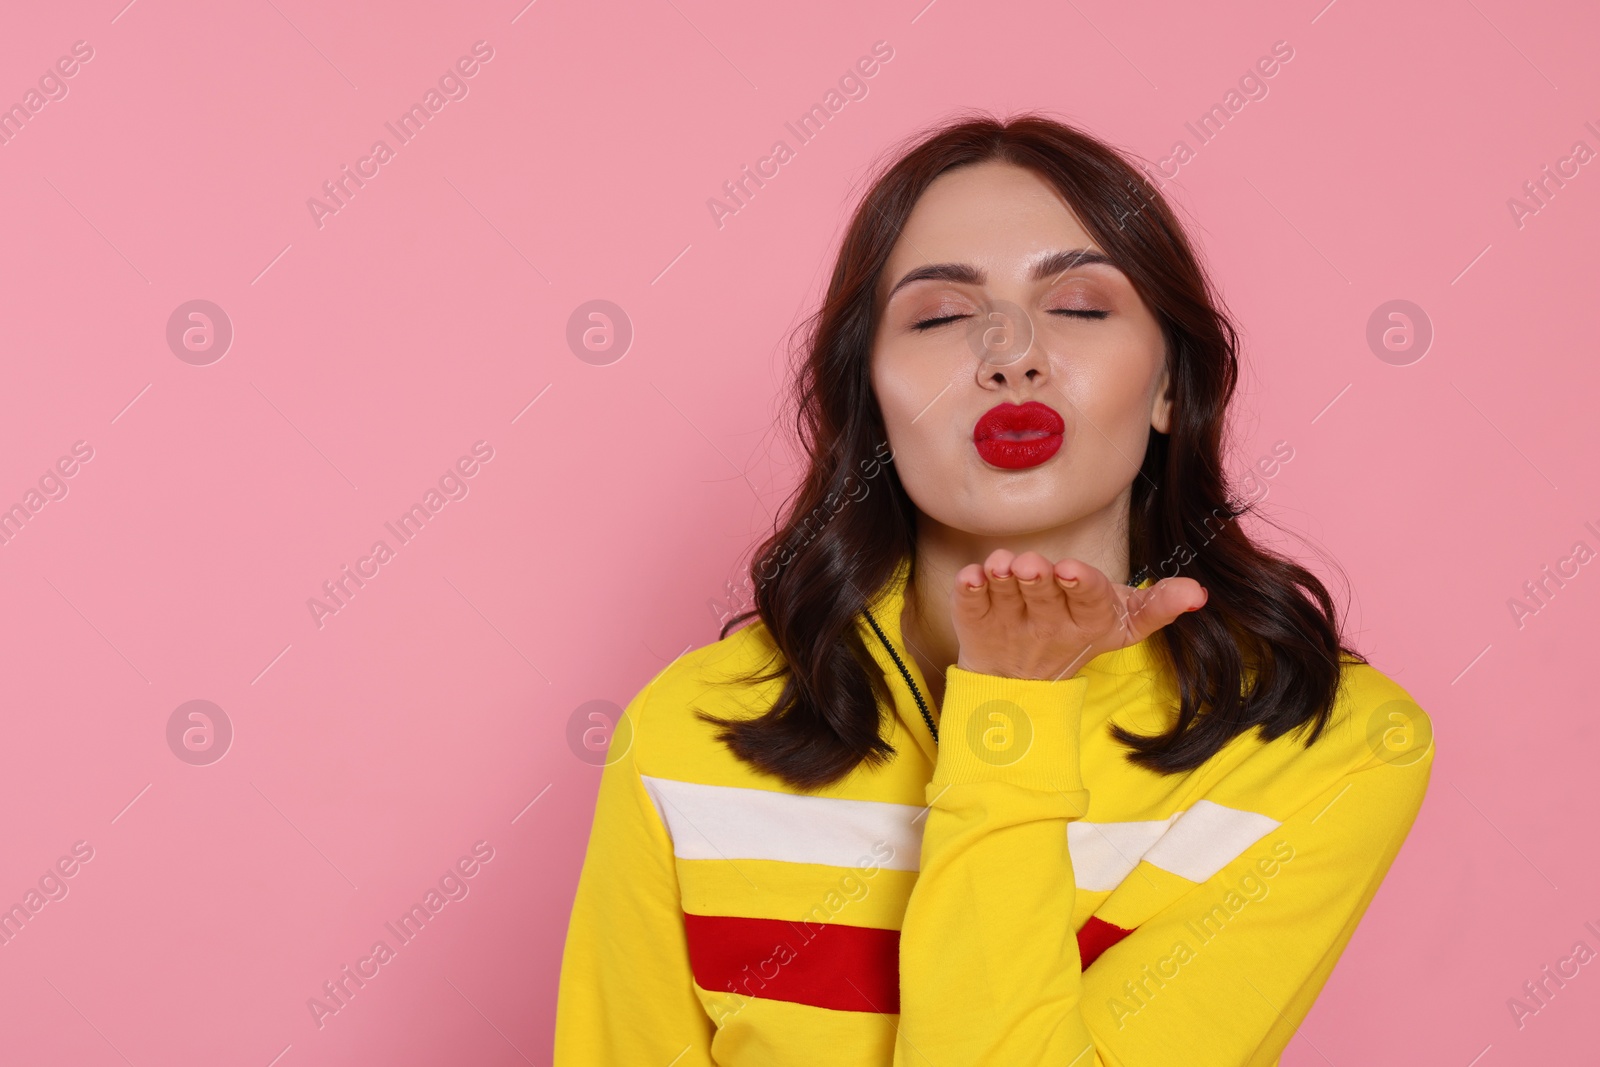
column 929, row 324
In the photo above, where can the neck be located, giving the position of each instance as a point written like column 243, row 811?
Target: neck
column 1100, row 540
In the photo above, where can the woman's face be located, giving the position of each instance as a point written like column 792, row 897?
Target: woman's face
column 1002, row 318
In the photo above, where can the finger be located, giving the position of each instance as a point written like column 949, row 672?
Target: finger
column 1151, row 609
column 1091, row 598
column 970, row 601
column 1003, row 591
column 1040, row 593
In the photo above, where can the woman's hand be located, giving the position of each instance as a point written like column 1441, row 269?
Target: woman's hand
column 1019, row 617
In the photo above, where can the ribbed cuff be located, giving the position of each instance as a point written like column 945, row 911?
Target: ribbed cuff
column 1023, row 731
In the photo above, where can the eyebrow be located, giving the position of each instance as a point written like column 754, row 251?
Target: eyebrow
column 1054, row 263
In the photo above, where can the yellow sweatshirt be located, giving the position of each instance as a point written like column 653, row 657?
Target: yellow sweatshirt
column 1015, row 894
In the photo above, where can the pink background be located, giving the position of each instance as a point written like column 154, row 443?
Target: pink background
column 432, row 711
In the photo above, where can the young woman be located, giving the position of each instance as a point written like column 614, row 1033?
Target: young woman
column 1030, row 756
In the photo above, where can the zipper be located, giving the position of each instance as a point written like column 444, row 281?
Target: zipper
column 922, row 705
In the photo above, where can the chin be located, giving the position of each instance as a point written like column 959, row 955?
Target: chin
column 1009, row 518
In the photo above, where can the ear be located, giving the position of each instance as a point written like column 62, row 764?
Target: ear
column 1161, row 410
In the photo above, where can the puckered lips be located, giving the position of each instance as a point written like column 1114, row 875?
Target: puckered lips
column 1017, row 436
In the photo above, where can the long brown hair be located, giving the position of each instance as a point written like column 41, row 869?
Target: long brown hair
column 1268, row 621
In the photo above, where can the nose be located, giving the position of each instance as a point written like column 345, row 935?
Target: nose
column 1007, row 348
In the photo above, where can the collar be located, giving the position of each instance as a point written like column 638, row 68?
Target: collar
column 886, row 606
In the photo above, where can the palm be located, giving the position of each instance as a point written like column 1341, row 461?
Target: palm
column 1024, row 617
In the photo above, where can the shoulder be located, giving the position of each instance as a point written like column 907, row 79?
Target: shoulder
column 1376, row 721
column 722, row 679
column 1376, row 730
column 720, row 671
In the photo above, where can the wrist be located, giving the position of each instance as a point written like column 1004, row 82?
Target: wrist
column 1019, row 730
column 1072, row 668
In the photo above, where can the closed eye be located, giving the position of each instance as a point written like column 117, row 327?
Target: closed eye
column 930, row 324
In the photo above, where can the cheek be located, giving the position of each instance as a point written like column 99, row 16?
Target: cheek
column 897, row 401
column 1115, row 391
column 1113, row 400
column 918, row 409
column 904, row 387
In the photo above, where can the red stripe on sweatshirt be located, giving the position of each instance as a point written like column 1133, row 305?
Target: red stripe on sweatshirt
column 825, row 965
column 1095, row 936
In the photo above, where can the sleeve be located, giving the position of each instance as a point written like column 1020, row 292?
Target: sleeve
column 626, row 993
column 1221, row 977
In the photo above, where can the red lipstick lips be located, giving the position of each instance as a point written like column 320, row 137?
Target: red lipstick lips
column 1018, row 436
